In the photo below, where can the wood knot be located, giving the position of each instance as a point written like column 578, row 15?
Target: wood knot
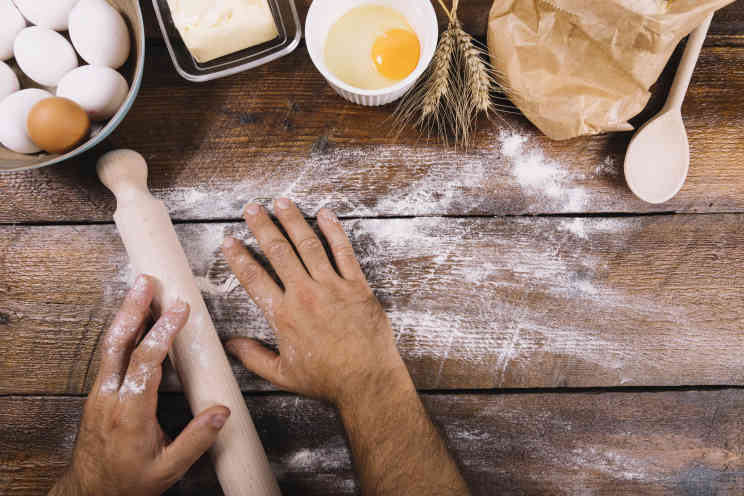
column 246, row 118
column 322, row 145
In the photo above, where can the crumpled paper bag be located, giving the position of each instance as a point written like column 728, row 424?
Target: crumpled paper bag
column 582, row 67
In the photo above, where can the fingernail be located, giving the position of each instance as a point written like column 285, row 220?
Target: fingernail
column 218, row 420
column 229, row 242
column 230, row 348
column 283, row 203
column 252, row 209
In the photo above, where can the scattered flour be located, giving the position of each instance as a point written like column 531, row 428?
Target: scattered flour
column 70, row 438
column 202, row 250
column 225, row 288
column 318, row 460
column 537, row 173
column 202, row 245
column 135, row 383
column 368, row 181
column 613, row 463
column 195, row 350
column 127, row 275
column 111, row 383
column 582, row 227
column 607, row 168
column 512, row 143
column 121, row 329
column 332, row 457
column 503, row 283
column 469, row 436
column 500, row 294
column 575, row 226
column 159, row 336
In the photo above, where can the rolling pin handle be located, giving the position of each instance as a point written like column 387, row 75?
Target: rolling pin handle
column 123, row 171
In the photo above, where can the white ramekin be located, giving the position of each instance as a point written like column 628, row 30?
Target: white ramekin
column 324, row 13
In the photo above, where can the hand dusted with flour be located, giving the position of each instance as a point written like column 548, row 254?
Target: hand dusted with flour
column 121, row 448
column 336, row 343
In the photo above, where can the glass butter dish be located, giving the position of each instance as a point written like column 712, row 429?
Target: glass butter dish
column 287, row 22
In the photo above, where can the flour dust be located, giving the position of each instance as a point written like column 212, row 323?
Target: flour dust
column 373, row 180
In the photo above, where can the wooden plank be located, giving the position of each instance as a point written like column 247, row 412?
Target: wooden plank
column 730, row 21
column 205, row 139
column 474, row 14
column 280, row 130
column 476, row 303
column 670, row 443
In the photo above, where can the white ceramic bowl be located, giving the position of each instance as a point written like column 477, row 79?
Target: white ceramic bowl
column 132, row 72
column 324, row 13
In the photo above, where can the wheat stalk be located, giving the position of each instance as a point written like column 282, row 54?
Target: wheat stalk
column 456, row 87
column 427, row 104
column 437, row 85
column 478, row 80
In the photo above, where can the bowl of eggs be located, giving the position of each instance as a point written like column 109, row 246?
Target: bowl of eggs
column 371, row 52
column 70, row 71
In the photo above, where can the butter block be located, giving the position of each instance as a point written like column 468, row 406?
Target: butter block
column 215, row 28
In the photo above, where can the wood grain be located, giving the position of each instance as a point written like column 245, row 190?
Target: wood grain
column 281, row 130
column 670, row 443
column 205, row 142
column 476, row 303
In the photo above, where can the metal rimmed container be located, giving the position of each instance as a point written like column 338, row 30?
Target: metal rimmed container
column 290, row 32
column 323, row 14
column 132, row 72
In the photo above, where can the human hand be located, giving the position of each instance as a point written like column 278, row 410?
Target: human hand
column 121, row 449
column 334, row 337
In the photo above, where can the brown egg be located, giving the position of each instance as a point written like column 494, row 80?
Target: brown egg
column 57, row 125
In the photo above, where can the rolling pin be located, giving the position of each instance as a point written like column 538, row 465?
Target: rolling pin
column 197, row 353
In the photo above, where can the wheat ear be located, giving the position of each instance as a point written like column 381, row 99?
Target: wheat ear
column 438, row 84
column 478, row 79
column 456, row 87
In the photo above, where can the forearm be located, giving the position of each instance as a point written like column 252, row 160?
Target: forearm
column 397, row 450
column 336, row 343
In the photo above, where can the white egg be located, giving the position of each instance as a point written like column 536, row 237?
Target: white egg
column 44, row 55
column 98, row 89
column 50, row 14
column 8, row 81
column 11, row 23
column 14, row 111
column 99, row 33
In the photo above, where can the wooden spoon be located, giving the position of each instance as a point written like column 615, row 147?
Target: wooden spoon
column 658, row 157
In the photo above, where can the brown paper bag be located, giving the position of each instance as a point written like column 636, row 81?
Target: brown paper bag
column 581, row 67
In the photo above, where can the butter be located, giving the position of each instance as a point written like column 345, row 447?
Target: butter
column 215, row 28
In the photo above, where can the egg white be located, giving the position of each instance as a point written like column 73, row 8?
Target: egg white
column 348, row 46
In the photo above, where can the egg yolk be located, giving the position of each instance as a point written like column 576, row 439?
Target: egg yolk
column 396, row 53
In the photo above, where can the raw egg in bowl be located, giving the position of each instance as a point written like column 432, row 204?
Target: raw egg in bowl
column 371, row 52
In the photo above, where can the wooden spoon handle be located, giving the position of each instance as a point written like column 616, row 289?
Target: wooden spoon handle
column 687, row 66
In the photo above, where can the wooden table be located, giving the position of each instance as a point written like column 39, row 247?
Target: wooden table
column 568, row 338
